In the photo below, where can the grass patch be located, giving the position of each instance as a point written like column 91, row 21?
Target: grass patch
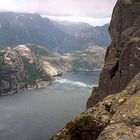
column 2, row 61
column 135, row 1
column 78, row 124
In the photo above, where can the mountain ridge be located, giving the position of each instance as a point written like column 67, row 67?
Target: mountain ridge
column 25, row 28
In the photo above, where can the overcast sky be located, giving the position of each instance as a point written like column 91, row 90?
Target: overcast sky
column 95, row 12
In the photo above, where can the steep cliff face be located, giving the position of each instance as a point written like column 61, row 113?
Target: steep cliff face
column 114, row 108
column 21, row 69
column 122, row 61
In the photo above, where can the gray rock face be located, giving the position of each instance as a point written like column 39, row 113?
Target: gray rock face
column 122, row 61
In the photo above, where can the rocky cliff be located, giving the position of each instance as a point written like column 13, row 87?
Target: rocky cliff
column 21, row 69
column 114, row 108
column 122, row 61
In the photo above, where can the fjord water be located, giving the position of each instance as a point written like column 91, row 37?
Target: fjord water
column 40, row 113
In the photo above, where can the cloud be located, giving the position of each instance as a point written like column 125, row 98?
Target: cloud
column 90, row 20
column 87, row 8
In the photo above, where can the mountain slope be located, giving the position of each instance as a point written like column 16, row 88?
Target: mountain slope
column 25, row 28
column 21, row 28
column 82, row 36
column 22, row 69
column 90, row 59
column 71, row 27
column 96, row 35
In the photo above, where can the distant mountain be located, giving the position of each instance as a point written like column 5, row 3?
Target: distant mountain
column 82, row 35
column 71, row 27
column 90, row 59
column 98, row 35
column 61, row 37
column 22, row 28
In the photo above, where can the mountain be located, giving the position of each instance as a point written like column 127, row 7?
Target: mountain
column 82, row 35
column 64, row 37
column 95, row 35
column 23, row 28
column 90, row 59
column 113, row 110
column 71, row 27
column 22, row 69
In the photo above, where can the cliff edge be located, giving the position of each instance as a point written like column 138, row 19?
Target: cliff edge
column 113, row 110
column 122, row 61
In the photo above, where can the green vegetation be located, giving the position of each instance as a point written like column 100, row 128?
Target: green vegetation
column 76, row 64
column 77, row 126
column 75, row 53
column 135, row 1
column 1, row 59
column 34, row 71
column 38, row 50
column 30, row 71
column 41, row 52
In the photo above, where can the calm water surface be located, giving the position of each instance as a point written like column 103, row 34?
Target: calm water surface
column 38, row 114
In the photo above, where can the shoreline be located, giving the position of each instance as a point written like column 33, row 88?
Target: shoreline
column 29, row 89
column 46, row 83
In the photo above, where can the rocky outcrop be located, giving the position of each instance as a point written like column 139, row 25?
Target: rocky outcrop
column 113, row 110
column 21, row 69
column 122, row 61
